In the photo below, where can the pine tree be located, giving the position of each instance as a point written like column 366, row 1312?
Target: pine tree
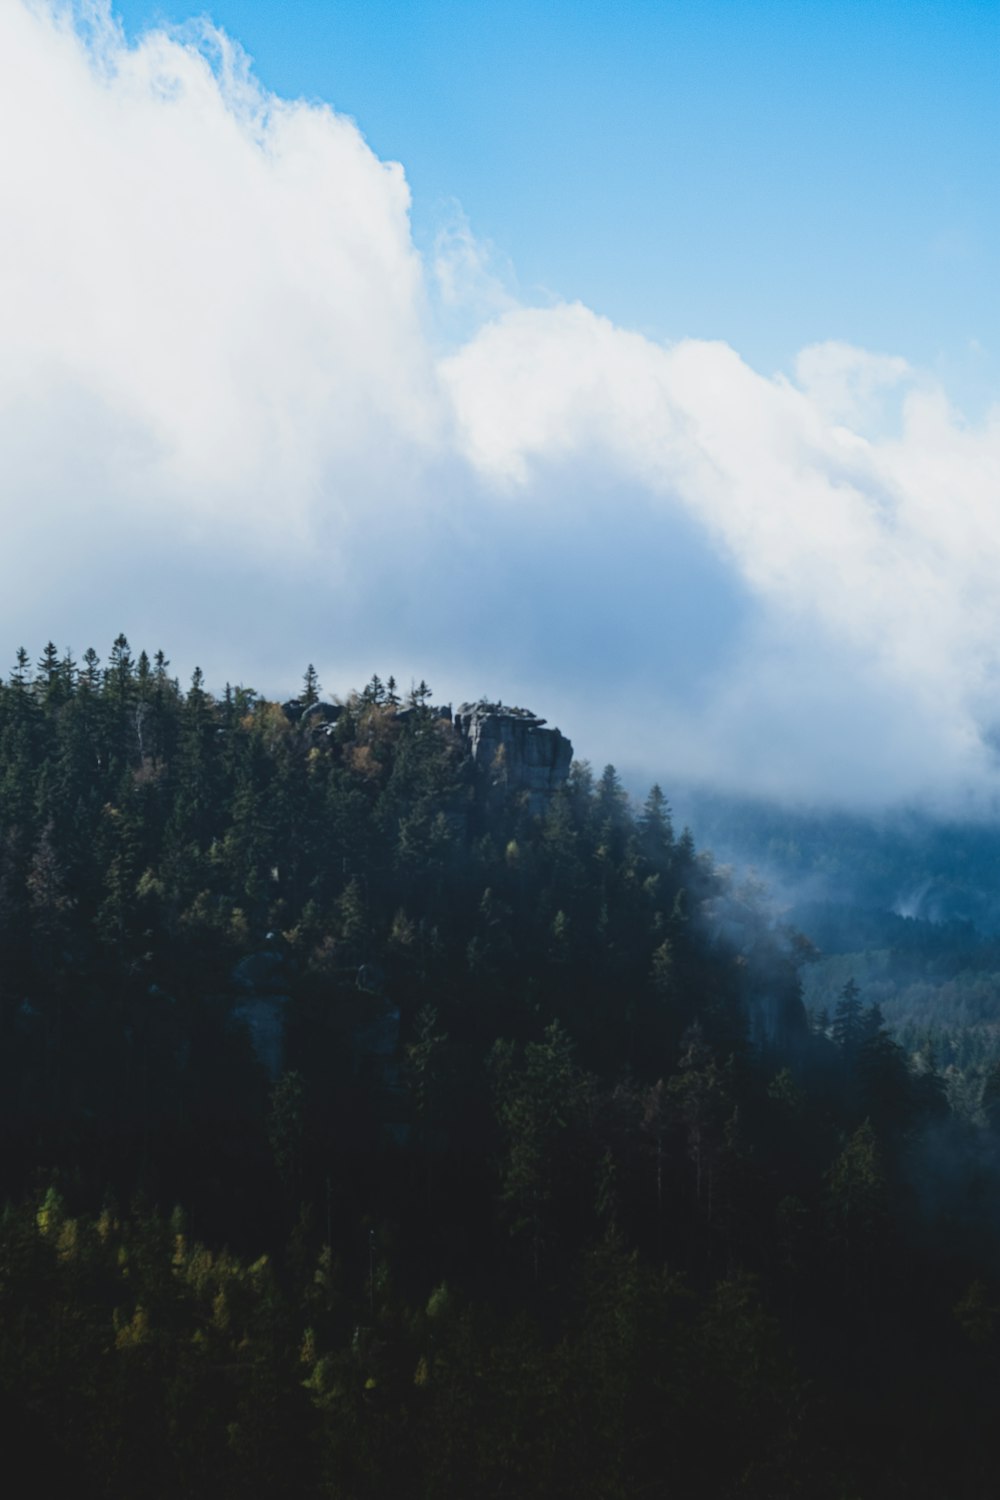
column 612, row 799
column 286, row 1130
column 310, row 687
column 701, row 1101
column 19, row 676
column 49, row 678
column 857, row 1209
column 91, row 677
column 656, row 829
column 538, row 1100
column 120, row 671
column 849, row 1028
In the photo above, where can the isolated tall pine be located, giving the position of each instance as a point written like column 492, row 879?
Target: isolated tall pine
column 310, row 687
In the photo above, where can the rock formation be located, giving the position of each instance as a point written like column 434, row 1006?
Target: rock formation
column 511, row 745
column 514, row 748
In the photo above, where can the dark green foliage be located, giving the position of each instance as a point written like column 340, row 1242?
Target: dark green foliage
column 310, row 687
column 848, row 1030
column 510, row 1163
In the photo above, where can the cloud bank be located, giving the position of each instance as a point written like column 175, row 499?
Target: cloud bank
column 240, row 416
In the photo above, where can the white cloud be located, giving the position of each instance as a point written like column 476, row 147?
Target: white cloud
column 845, row 384
column 229, row 277
column 223, row 416
column 890, row 545
column 468, row 273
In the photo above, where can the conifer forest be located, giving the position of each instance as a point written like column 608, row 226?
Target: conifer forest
column 372, row 1127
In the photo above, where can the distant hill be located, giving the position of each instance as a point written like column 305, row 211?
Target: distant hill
column 907, row 862
column 902, row 903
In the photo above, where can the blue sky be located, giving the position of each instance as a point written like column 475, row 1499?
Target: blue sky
column 637, row 363
column 769, row 174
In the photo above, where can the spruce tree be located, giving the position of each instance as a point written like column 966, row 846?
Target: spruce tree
column 310, row 687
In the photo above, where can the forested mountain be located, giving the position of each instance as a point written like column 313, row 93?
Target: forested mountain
column 374, row 1125
column 903, row 903
column 931, row 866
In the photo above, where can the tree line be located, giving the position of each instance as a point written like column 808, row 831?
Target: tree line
column 545, row 1183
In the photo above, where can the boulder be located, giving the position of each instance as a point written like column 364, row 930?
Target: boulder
column 321, row 713
column 316, row 714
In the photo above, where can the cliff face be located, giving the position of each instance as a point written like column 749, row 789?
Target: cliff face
column 512, row 745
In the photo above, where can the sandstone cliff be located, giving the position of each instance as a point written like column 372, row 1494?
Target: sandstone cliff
column 515, row 749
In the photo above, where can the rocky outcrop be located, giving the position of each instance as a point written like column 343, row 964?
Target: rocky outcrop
column 515, row 749
column 318, row 721
column 414, row 711
column 511, row 746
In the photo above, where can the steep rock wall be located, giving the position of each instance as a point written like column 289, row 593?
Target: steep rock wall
column 515, row 748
